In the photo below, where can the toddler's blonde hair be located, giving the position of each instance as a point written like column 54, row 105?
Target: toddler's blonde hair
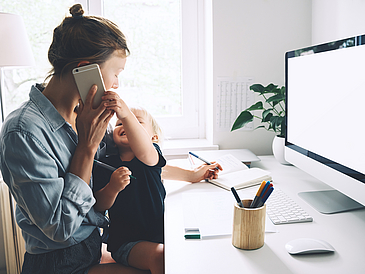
column 155, row 126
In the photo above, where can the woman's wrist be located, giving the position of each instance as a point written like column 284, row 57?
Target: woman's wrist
column 82, row 163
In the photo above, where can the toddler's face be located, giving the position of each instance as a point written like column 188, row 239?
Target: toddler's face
column 119, row 135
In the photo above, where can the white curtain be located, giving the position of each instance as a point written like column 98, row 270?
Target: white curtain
column 13, row 240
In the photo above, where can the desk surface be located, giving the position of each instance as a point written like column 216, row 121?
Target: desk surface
column 344, row 231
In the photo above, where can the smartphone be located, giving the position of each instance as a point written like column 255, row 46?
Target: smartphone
column 85, row 78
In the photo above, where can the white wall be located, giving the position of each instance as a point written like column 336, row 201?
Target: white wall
column 337, row 19
column 250, row 38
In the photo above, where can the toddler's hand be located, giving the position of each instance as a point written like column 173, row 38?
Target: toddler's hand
column 120, row 178
column 113, row 102
column 205, row 171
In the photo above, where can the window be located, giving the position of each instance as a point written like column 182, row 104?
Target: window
column 162, row 72
column 40, row 18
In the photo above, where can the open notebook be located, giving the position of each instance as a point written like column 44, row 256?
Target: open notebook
column 238, row 175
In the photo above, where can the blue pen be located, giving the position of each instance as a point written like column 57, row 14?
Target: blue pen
column 205, row 161
column 257, row 196
column 265, row 188
column 264, row 198
column 265, row 191
column 261, row 194
column 104, row 165
column 271, row 189
column 235, row 194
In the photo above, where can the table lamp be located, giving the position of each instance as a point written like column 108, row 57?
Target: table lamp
column 15, row 50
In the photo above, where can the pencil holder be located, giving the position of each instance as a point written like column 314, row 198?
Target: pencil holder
column 248, row 226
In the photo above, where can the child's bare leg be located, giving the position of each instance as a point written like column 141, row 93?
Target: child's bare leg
column 106, row 256
column 148, row 256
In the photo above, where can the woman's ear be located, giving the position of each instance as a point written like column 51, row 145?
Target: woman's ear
column 83, row 63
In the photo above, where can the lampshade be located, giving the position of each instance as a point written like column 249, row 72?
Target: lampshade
column 15, row 48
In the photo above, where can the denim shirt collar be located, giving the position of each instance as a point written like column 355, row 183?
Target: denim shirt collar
column 50, row 113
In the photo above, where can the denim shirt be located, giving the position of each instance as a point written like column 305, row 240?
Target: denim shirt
column 54, row 207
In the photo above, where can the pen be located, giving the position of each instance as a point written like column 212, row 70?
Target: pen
column 235, row 194
column 104, row 165
column 266, row 187
column 205, row 161
column 258, row 193
column 264, row 192
column 266, row 195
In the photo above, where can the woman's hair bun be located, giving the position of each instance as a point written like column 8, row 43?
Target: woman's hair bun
column 76, row 10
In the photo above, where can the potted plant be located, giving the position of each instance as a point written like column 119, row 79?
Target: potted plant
column 272, row 116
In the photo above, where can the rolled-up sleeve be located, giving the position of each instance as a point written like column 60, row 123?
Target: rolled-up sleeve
column 48, row 196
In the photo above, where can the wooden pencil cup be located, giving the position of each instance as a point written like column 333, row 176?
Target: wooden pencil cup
column 248, row 226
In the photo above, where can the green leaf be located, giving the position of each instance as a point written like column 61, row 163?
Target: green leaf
column 260, row 127
column 275, row 99
column 271, row 88
column 282, row 90
column 266, row 115
column 273, row 118
column 257, row 88
column 274, row 122
column 257, row 106
column 281, row 119
column 283, row 128
column 266, row 112
column 244, row 118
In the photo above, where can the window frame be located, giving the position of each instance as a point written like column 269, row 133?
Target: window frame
column 191, row 125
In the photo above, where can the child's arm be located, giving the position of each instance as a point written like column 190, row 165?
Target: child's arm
column 106, row 196
column 191, row 175
column 138, row 138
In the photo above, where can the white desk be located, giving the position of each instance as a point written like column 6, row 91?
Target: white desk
column 344, row 231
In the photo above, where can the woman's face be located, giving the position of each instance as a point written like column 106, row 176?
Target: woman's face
column 111, row 69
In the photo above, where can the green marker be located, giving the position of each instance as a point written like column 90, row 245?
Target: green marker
column 192, row 233
column 109, row 167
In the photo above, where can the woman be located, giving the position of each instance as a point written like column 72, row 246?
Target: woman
column 48, row 146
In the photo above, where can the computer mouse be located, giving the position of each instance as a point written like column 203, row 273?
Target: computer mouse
column 308, row 246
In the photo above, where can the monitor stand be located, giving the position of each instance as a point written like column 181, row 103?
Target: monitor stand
column 330, row 201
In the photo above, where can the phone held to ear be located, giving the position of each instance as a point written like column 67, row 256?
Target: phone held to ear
column 85, row 78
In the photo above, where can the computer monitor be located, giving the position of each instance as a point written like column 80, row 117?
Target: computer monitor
column 325, row 111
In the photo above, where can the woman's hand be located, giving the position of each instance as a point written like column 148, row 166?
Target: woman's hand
column 92, row 123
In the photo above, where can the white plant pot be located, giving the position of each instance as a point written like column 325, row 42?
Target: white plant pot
column 278, row 150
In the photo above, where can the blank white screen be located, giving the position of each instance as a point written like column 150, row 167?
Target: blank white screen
column 326, row 99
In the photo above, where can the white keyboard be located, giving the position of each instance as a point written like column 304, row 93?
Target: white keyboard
column 281, row 209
